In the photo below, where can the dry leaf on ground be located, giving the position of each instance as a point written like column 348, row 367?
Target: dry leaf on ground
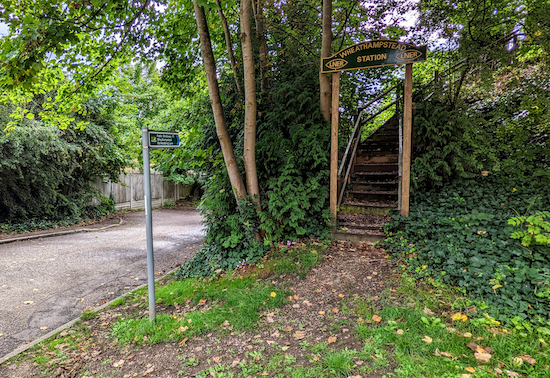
column 399, row 332
column 332, row 339
column 482, row 357
column 427, row 339
column 427, row 311
column 299, row 335
column 527, row 358
column 470, row 369
column 376, row 318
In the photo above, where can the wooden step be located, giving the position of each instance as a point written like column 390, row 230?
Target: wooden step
column 377, row 159
column 376, row 167
column 371, row 175
column 373, row 195
column 372, row 207
column 357, row 236
column 365, row 186
column 379, row 151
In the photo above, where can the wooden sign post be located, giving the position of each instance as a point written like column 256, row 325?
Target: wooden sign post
column 407, row 141
column 366, row 55
column 334, row 144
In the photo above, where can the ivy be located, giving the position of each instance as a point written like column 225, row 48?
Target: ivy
column 460, row 235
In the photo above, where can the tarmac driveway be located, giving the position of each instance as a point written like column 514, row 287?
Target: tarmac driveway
column 49, row 281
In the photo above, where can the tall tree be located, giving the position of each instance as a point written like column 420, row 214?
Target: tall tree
column 215, row 100
column 324, row 79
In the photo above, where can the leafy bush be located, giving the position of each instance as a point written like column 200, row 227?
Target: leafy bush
column 46, row 172
column 460, row 235
column 292, row 162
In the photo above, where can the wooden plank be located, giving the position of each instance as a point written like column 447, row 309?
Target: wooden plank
column 407, row 142
column 334, row 145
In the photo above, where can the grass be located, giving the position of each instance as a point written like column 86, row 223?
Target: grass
column 234, row 300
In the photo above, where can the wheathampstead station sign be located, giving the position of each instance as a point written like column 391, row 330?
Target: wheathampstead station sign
column 373, row 54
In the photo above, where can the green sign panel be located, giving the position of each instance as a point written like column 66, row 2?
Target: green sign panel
column 163, row 139
column 373, row 54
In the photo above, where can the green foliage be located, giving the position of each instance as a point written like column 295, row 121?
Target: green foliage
column 537, row 232
column 448, row 144
column 292, row 155
column 459, row 234
column 46, row 172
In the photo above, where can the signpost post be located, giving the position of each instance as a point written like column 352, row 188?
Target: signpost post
column 152, row 139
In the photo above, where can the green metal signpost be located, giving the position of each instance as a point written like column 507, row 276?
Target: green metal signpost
column 152, row 139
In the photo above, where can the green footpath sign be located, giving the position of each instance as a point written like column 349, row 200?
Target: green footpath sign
column 373, row 54
column 163, row 139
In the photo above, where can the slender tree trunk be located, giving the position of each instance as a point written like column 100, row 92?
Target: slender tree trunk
column 249, row 156
column 213, row 89
column 259, row 18
column 324, row 79
column 229, row 45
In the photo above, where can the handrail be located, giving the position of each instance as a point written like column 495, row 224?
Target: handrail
column 356, row 144
column 352, row 136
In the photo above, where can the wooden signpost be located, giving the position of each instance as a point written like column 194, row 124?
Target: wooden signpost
column 368, row 55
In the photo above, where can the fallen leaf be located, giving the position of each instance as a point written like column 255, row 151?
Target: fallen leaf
column 427, row 311
column 399, row 332
column 148, row 371
column 341, row 295
column 332, row 339
column 465, row 375
column 296, row 297
column 299, row 335
column 376, row 318
column 482, row 357
column 118, row 363
column 202, row 300
column 459, row 316
column 235, row 363
column 527, row 358
column 319, row 290
column 288, row 329
column 182, row 329
column 427, row 339
column 321, row 313
column 43, row 328
column 470, row 369
column 216, row 359
column 284, row 348
column 27, row 302
column 512, row 374
column 467, row 334
column 273, row 294
column 335, row 310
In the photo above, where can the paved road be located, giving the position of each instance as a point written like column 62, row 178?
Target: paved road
column 47, row 282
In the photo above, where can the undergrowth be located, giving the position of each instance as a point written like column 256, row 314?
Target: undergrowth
column 460, row 235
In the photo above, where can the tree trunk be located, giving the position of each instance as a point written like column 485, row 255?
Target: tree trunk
column 324, row 79
column 229, row 45
column 258, row 17
column 249, row 156
column 213, row 89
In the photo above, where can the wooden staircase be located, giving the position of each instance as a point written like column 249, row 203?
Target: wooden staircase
column 373, row 186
